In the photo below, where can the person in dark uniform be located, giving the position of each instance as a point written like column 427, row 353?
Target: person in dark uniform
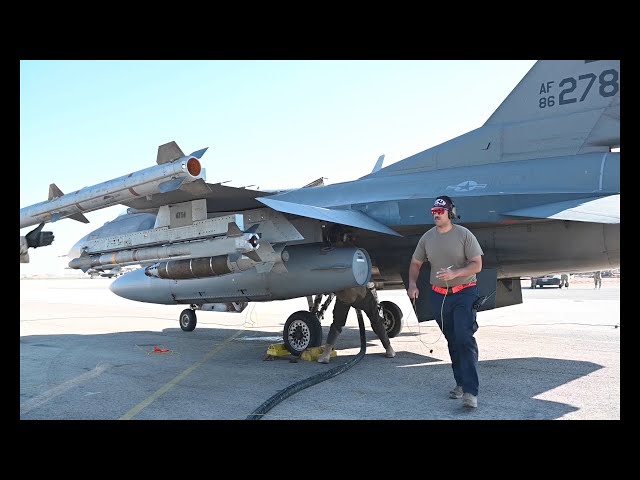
column 362, row 298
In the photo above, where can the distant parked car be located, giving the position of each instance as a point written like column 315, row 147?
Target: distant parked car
column 554, row 280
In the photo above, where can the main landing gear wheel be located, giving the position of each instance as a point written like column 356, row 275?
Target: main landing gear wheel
column 302, row 330
column 392, row 318
column 188, row 320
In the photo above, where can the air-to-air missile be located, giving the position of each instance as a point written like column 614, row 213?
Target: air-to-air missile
column 174, row 170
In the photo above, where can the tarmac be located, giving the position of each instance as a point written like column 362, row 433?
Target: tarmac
column 86, row 354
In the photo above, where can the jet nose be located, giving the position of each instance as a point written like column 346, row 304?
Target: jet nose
column 76, row 250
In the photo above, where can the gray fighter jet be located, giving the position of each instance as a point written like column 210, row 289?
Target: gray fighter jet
column 538, row 184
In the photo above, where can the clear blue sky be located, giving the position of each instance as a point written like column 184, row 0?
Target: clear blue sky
column 271, row 124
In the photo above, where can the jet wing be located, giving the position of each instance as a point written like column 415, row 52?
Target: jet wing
column 220, row 198
column 595, row 210
column 345, row 217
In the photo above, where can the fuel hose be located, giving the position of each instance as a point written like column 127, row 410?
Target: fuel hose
column 307, row 382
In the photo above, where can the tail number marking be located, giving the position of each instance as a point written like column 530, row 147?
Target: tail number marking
column 607, row 86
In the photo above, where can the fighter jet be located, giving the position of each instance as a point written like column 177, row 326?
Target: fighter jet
column 538, row 184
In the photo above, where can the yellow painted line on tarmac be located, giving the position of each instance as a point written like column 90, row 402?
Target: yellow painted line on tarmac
column 60, row 389
column 172, row 383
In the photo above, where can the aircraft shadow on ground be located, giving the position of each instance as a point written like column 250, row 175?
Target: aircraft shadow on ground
column 509, row 386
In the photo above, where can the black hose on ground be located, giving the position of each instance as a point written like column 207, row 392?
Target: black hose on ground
column 320, row 377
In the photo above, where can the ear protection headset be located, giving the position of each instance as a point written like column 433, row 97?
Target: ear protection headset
column 453, row 213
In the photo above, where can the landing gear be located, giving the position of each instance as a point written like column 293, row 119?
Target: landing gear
column 302, row 330
column 392, row 318
column 188, row 320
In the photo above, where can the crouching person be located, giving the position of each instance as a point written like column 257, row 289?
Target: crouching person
column 361, row 298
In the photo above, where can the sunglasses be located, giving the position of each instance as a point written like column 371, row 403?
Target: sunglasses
column 438, row 211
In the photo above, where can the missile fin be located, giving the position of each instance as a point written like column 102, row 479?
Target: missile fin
column 265, row 253
column 197, row 187
column 198, row 153
column 279, row 268
column 54, row 191
column 171, row 185
column 168, row 153
column 253, row 255
column 79, row 218
column 264, row 267
column 233, row 230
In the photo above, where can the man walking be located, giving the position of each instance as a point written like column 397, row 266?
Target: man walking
column 455, row 256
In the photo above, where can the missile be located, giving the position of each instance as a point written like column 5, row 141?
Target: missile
column 169, row 174
column 310, row 269
column 244, row 243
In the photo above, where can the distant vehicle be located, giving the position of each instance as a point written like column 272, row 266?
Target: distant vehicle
column 554, row 280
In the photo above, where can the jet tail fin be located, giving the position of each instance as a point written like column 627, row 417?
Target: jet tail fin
column 559, row 108
column 565, row 104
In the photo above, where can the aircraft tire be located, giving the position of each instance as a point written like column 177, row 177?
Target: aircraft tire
column 188, row 320
column 392, row 318
column 302, row 330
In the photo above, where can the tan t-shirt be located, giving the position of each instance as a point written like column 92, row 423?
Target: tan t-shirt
column 456, row 248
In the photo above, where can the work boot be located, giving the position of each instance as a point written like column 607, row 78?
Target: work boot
column 379, row 330
column 469, row 401
column 326, row 354
column 456, row 392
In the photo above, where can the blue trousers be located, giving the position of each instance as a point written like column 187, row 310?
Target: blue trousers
column 457, row 319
